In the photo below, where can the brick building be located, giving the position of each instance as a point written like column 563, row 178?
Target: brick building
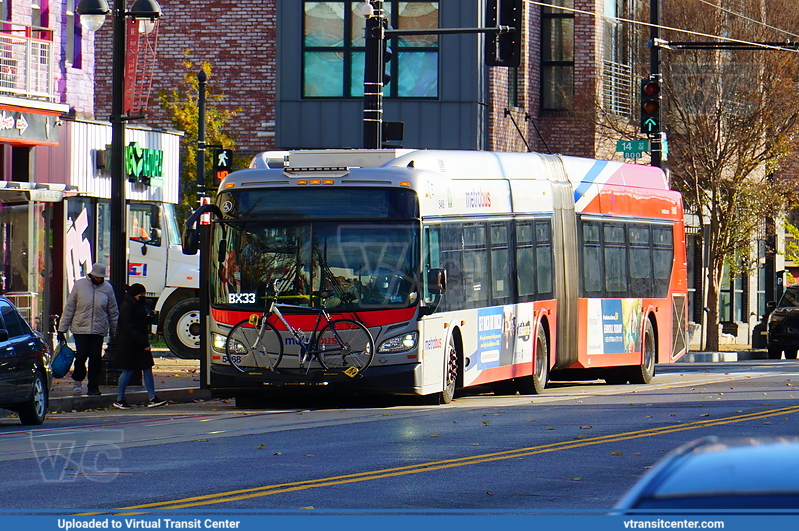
column 237, row 38
column 272, row 71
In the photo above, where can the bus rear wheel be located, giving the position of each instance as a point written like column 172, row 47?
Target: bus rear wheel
column 535, row 384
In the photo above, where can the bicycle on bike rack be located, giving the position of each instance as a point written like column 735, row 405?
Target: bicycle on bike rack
column 340, row 344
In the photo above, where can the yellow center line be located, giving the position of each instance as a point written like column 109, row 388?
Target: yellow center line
column 267, row 490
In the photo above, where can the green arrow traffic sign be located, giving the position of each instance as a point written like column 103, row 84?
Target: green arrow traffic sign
column 650, row 125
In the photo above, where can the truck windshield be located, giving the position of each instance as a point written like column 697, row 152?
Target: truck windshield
column 369, row 265
column 790, row 298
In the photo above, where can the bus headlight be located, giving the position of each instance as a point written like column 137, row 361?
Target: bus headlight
column 401, row 343
column 218, row 342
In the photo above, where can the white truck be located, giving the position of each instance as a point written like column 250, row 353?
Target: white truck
column 156, row 260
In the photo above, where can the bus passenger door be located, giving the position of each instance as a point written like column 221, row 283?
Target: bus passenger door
column 431, row 353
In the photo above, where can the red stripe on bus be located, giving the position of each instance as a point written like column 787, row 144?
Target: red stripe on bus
column 306, row 321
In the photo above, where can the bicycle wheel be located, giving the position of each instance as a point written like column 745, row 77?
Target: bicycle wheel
column 248, row 346
column 345, row 343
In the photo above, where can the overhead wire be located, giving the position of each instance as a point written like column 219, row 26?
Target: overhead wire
column 669, row 28
column 750, row 19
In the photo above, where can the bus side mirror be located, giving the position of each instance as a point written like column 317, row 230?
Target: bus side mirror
column 437, row 281
column 191, row 241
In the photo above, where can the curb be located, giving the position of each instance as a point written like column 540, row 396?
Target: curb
column 713, row 357
column 83, row 403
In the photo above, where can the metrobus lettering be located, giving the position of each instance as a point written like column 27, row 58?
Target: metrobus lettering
column 328, row 341
column 478, row 199
column 434, row 343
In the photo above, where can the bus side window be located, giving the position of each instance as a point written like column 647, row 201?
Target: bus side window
column 543, row 259
column 640, row 254
column 593, row 276
column 476, row 273
column 452, row 261
column 525, row 265
column 501, row 285
column 663, row 259
column 615, row 254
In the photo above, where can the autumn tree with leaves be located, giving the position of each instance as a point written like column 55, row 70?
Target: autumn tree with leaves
column 732, row 118
column 182, row 109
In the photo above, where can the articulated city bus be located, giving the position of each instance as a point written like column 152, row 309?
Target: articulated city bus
column 498, row 270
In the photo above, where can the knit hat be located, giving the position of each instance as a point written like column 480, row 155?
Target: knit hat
column 98, row 270
column 135, row 289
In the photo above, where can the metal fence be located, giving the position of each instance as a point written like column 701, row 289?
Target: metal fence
column 618, row 91
column 26, row 61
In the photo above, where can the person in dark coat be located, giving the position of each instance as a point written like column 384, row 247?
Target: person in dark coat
column 133, row 346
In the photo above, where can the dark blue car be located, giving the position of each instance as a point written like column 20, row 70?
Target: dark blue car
column 783, row 325
column 25, row 375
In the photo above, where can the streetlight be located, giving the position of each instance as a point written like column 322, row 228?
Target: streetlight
column 93, row 14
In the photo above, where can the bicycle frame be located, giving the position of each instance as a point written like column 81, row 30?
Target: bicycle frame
column 307, row 354
column 343, row 344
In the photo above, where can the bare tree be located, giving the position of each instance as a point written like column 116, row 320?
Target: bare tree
column 731, row 117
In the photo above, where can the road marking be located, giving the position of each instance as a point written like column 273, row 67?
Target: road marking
column 268, row 490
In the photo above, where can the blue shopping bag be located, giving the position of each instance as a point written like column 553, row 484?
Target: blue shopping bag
column 62, row 361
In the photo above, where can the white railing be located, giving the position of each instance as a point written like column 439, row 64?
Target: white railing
column 26, row 61
column 618, row 91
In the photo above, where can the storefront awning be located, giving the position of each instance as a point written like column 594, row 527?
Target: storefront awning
column 22, row 192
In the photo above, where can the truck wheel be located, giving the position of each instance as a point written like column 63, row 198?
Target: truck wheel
column 182, row 329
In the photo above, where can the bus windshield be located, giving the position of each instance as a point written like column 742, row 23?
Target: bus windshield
column 368, row 265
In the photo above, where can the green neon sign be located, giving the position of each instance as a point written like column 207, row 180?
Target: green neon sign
column 144, row 165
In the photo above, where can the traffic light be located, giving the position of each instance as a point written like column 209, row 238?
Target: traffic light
column 223, row 164
column 388, row 55
column 504, row 48
column 650, row 106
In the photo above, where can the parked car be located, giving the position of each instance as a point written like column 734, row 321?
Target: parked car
column 713, row 473
column 782, row 330
column 25, row 358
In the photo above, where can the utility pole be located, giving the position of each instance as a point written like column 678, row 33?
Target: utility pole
column 655, row 75
column 508, row 15
column 373, row 76
column 203, row 228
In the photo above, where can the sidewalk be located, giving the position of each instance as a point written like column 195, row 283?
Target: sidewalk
column 176, row 380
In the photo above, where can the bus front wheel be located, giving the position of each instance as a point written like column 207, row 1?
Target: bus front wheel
column 643, row 373
column 451, row 372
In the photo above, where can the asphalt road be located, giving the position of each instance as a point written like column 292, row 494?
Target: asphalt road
column 578, row 446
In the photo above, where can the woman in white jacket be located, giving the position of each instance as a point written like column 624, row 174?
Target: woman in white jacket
column 91, row 312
